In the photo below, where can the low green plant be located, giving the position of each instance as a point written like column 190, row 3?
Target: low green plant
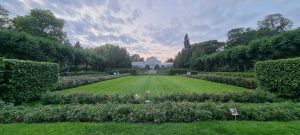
column 154, row 113
column 177, row 71
column 238, row 81
column 88, row 98
column 75, row 81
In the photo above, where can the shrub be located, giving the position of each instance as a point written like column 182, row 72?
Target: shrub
column 88, row 98
column 123, row 71
column 177, row 71
column 156, row 113
column 25, row 81
column 236, row 74
column 75, row 81
column 238, row 81
column 279, row 76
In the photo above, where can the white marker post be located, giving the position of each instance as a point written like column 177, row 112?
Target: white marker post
column 234, row 112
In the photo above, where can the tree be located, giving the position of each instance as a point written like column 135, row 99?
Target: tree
column 4, row 20
column 156, row 67
column 170, row 60
column 41, row 22
column 187, row 44
column 275, row 22
column 77, row 45
column 136, row 58
column 147, row 67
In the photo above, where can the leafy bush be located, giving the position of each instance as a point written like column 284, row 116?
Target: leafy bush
column 88, row 98
column 177, row 71
column 280, row 76
column 123, row 71
column 86, row 72
column 75, row 81
column 238, row 81
column 156, row 113
column 25, row 81
column 235, row 74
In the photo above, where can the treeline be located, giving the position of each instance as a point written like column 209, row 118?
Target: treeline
column 39, row 36
column 273, row 39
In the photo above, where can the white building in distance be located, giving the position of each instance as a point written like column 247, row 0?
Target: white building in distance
column 152, row 62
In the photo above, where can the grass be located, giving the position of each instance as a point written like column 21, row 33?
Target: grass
column 156, row 84
column 205, row 128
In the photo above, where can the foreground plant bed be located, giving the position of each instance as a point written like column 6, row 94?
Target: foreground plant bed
column 88, row 98
column 157, row 113
column 205, row 128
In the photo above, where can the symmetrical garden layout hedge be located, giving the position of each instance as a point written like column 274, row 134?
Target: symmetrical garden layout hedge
column 157, row 113
column 279, row 76
column 88, row 98
column 23, row 81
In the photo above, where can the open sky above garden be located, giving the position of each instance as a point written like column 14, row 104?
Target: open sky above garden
column 155, row 27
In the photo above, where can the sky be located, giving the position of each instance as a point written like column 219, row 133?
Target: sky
column 155, row 27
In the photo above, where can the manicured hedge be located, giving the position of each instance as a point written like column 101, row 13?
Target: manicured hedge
column 280, row 76
column 75, row 81
column 155, row 113
column 24, row 81
column 123, row 71
column 235, row 74
column 238, row 81
column 88, row 98
column 177, row 71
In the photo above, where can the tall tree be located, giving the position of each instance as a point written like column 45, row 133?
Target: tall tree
column 41, row 22
column 4, row 20
column 275, row 22
column 77, row 45
column 187, row 44
column 170, row 60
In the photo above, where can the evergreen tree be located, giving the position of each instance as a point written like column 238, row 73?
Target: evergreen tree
column 187, row 44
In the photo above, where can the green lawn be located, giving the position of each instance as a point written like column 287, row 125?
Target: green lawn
column 205, row 128
column 156, row 84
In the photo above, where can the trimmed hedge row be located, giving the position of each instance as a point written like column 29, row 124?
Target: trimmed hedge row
column 236, row 74
column 123, row 71
column 279, row 76
column 177, row 71
column 156, row 113
column 75, row 81
column 238, row 81
column 88, row 98
column 24, row 81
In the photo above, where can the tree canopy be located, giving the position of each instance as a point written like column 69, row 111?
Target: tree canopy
column 41, row 23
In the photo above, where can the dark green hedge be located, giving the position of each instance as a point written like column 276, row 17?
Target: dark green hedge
column 156, row 113
column 177, row 71
column 24, row 81
column 123, row 71
column 238, row 81
column 88, row 98
column 280, row 76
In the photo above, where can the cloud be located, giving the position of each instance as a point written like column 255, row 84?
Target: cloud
column 154, row 27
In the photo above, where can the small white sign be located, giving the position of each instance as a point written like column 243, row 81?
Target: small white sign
column 147, row 101
column 188, row 73
column 234, row 111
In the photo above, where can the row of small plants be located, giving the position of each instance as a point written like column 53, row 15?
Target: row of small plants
column 154, row 113
column 75, row 81
column 237, row 81
column 233, row 74
column 88, row 98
